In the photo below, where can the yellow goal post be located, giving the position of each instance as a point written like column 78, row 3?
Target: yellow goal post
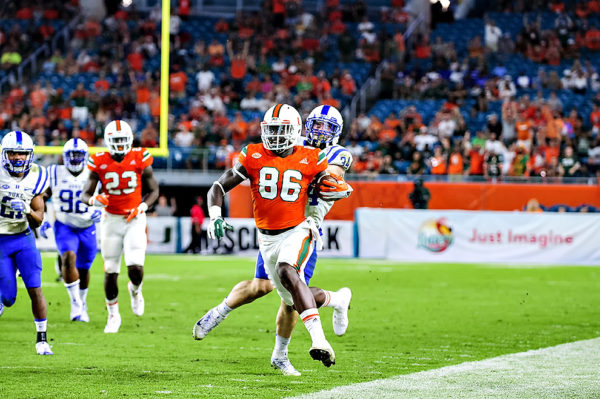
column 163, row 148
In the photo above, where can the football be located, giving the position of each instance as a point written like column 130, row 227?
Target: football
column 329, row 183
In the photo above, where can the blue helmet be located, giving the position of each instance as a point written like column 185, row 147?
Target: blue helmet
column 75, row 153
column 17, row 142
column 324, row 126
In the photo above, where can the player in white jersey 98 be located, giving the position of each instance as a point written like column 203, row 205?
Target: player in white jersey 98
column 22, row 184
column 74, row 227
column 323, row 128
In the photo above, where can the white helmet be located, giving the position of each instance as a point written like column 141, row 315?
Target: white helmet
column 118, row 137
column 324, row 126
column 280, row 128
column 75, row 153
column 17, row 142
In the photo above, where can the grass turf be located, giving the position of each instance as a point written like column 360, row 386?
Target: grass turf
column 404, row 318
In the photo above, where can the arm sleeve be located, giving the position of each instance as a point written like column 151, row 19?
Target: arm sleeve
column 147, row 159
column 321, row 162
column 91, row 164
column 341, row 158
column 319, row 211
column 242, row 157
column 42, row 182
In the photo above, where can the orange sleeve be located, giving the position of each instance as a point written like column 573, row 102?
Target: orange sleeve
column 322, row 163
column 147, row 159
column 92, row 161
column 242, row 157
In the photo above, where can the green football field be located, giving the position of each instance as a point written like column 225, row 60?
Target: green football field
column 404, row 318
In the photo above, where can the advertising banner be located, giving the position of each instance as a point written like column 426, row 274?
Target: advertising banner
column 172, row 235
column 338, row 238
column 471, row 236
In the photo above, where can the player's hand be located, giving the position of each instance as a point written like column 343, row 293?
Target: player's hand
column 141, row 208
column 100, row 200
column 96, row 216
column 216, row 228
column 333, row 191
column 45, row 226
column 19, row 205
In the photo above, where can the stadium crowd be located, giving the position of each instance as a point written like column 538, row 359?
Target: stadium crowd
column 489, row 120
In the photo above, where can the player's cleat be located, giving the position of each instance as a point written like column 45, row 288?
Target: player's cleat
column 113, row 324
column 323, row 352
column 84, row 315
column 209, row 321
column 43, row 348
column 76, row 309
column 285, row 366
column 137, row 299
column 340, row 314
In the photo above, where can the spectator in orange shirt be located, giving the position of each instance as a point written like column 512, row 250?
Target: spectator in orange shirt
column 238, row 65
column 347, row 84
column 177, row 82
column 595, row 119
column 216, row 51
column 438, row 162
column 476, row 158
column 592, row 39
column 142, row 94
column 455, row 164
column 102, row 85
column 329, row 100
column 238, row 128
column 37, row 98
column 524, row 135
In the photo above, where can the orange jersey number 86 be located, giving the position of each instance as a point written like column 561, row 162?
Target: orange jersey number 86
column 268, row 179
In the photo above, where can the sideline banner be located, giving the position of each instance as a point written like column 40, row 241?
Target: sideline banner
column 172, row 235
column 472, row 236
column 338, row 238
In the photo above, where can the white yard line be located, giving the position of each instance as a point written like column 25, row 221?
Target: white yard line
column 565, row 371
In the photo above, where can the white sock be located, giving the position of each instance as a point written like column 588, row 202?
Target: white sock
column 223, row 309
column 136, row 288
column 83, row 296
column 281, row 346
column 113, row 306
column 72, row 290
column 332, row 299
column 312, row 322
column 40, row 325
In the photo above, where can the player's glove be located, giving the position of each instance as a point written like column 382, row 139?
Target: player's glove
column 45, row 226
column 100, row 200
column 20, row 206
column 141, row 208
column 216, row 228
column 96, row 216
column 333, row 191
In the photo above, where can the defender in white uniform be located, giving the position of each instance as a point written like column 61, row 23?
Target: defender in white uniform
column 22, row 184
column 74, row 227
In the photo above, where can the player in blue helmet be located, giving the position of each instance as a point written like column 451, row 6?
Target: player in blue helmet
column 22, row 184
column 74, row 227
column 323, row 129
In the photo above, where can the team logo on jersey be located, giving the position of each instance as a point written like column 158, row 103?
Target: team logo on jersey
column 256, row 155
column 132, row 163
column 304, row 161
column 103, row 166
column 435, row 235
column 5, row 186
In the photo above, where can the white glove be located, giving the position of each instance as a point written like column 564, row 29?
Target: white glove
column 20, row 206
column 314, row 228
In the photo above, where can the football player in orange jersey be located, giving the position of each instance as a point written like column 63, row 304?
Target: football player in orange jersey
column 122, row 171
column 280, row 173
